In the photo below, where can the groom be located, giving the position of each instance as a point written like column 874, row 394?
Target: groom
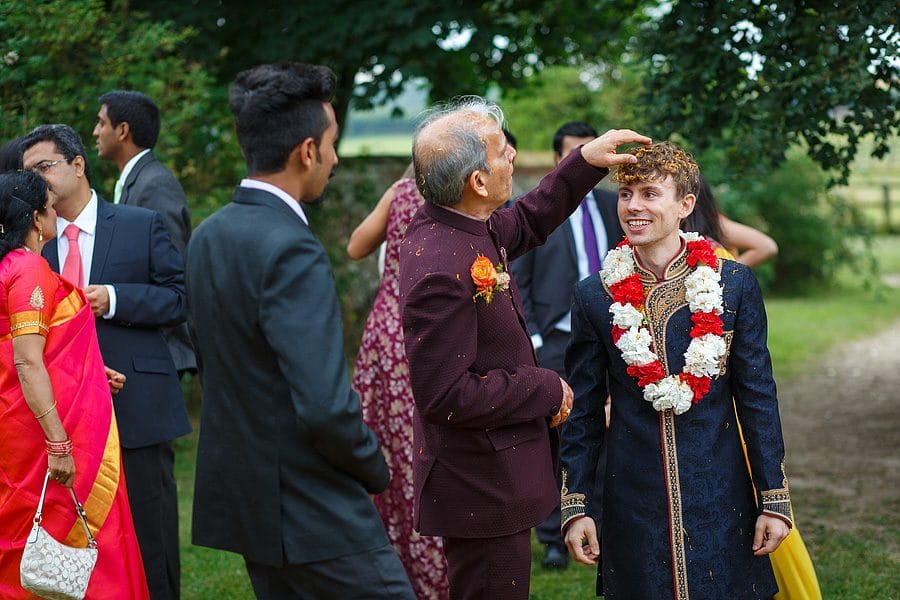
column 677, row 338
column 485, row 447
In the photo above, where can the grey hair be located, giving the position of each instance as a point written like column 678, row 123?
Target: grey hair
column 441, row 175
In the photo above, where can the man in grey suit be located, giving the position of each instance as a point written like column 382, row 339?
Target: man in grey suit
column 126, row 131
column 546, row 277
column 285, row 464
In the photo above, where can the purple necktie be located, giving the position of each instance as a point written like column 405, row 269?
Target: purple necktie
column 590, row 238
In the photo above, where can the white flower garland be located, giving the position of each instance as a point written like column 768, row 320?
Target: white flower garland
column 703, row 293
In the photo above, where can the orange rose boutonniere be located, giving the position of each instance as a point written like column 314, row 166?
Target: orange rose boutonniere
column 488, row 278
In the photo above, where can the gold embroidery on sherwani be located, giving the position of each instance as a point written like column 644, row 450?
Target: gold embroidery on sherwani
column 778, row 501
column 663, row 299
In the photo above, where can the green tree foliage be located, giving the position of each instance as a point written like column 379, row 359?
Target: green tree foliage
column 818, row 232
column 59, row 56
column 603, row 95
column 375, row 46
column 757, row 78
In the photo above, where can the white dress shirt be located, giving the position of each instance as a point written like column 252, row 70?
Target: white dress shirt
column 256, row 184
column 87, row 225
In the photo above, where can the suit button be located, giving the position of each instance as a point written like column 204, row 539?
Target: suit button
column 554, row 410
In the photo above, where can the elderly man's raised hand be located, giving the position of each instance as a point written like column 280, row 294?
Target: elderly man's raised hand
column 601, row 151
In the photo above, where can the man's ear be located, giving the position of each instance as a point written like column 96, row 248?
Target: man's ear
column 477, row 182
column 305, row 153
column 78, row 163
column 123, row 131
column 687, row 205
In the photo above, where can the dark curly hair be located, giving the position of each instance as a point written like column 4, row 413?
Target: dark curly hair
column 658, row 161
column 21, row 194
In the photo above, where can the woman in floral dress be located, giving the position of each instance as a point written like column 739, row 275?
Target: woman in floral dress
column 382, row 380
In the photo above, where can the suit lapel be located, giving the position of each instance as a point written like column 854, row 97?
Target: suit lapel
column 102, row 239
column 51, row 254
column 133, row 175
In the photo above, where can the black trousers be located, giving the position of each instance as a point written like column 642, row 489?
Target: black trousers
column 150, row 478
column 374, row 574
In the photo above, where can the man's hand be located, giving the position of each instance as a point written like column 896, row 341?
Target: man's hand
column 601, row 151
column 581, row 539
column 770, row 532
column 565, row 407
column 98, row 296
column 115, row 380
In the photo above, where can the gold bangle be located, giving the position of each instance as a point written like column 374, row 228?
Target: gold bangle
column 46, row 412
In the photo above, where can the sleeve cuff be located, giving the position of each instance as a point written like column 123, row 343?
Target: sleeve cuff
column 571, row 506
column 112, row 301
column 537, row 341
column 777, row 503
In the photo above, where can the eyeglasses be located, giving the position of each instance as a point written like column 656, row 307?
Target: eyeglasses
column 45, row 165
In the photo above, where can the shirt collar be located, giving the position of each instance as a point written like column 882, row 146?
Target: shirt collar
column 256, row 184
column 86, row 219
column 126, row 170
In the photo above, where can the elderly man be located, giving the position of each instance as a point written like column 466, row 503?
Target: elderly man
column 485, row 445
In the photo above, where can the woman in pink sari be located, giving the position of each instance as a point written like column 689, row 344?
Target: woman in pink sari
column 55, row 407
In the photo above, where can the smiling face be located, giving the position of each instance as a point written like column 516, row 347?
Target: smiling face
column 650, row 213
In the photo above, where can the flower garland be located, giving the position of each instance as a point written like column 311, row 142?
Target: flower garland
column 488, row 278
column 631, row 334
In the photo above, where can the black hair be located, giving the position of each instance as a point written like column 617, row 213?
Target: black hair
column 574, row 129
column 21, row 193
column 67, row 142
column 277, row 106
column 11, row 155
column 136, row 109
column 705, row 217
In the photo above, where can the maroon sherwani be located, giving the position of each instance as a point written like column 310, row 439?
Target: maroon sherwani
column 484, row 456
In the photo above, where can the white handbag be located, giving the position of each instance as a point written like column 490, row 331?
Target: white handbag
column 51, row 569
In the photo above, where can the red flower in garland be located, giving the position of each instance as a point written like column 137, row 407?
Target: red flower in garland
column 706, row 322
column 701, row 251
column 647, row 374
column 617, row 332
column 628, row 291
column 699, row 385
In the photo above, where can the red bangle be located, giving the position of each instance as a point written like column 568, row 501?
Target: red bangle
column 59, row 448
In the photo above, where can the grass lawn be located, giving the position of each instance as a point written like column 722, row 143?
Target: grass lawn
column 861, row 565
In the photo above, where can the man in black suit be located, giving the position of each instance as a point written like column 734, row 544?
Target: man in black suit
column 546, row 277
column 285, row 464
column 133, row 277
column 126, row 132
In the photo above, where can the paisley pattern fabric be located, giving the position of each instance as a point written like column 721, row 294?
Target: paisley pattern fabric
column 382, row 380
column 678, row 509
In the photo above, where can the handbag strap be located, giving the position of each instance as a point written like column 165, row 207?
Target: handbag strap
column 92, row 543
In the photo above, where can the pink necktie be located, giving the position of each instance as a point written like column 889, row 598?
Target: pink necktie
column 72, row 268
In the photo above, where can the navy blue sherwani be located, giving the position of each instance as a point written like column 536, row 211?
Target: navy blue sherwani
column 678, row 511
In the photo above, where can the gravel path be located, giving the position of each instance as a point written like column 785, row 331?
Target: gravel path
column 842, row 425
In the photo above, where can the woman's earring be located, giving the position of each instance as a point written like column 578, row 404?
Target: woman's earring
column 40, row 235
